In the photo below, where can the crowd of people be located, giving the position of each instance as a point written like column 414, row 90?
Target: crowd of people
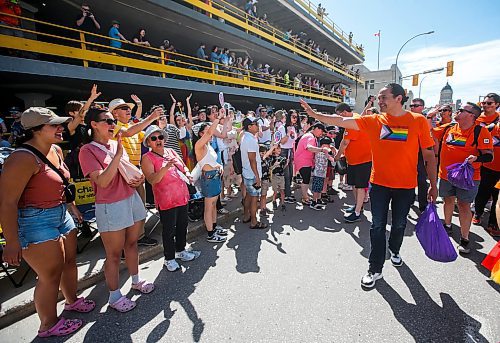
column 170, row 155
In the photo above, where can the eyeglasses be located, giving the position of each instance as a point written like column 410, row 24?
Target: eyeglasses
column 489, row 103
column 415, row 105
column 154, row 138
column 108, row 121
column 460, row 110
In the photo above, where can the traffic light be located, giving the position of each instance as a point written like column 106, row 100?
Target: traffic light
column 415, row 80
column 449, row 68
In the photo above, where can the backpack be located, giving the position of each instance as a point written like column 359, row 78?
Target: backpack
column 477, row 131
column 237, row 163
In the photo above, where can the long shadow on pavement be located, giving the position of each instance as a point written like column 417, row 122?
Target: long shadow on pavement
column 425, row 320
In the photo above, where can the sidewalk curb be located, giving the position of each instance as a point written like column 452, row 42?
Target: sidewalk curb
column 27, row 308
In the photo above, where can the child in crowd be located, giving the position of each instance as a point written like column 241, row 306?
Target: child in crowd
column 277, row 168
column 328, row 189
column 265, row 179
column 319, row 174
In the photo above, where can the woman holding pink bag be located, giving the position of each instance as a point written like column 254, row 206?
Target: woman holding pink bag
column 119, row 210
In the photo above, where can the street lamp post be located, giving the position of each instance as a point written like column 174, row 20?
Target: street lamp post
column 397, row 56
column 420, row 86
column 422, row 80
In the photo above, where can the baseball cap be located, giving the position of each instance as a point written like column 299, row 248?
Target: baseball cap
column 36, row 116
column 248, row 121
column 14, row 110
column 117, row 103
column 113, row 22
column 319, row 125
column 149, row 131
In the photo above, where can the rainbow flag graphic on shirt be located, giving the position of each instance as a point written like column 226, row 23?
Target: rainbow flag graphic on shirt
column 496, row 141
column 396, row 133
column 456, row 141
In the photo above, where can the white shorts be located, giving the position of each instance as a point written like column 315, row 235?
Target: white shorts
column 119, row 215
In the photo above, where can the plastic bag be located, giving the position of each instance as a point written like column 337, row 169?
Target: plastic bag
column 433, row 237
column 341, row 166
column 495, row 273
column 492, row 257
column 461, row 175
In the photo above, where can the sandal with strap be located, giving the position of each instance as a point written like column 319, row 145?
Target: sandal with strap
column 81, row 305
column 259, row 226
column 144, row 286
column 123, row 305
column 62, row 328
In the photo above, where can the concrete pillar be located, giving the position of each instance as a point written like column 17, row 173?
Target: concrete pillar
column 33, row 99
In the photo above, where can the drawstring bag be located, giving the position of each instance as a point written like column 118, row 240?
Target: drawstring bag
column 433, row 237
column 492, row 257
column 461, row 175
column 495, row 272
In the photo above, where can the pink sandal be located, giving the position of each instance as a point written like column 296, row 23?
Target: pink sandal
column 62, row 328
column 123, row 305
column 144, row 287
column 81, row 305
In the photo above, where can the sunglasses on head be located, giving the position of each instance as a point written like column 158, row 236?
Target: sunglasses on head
column 108, row 121
column 415, row 105
column 154, row 138
column 489, row 103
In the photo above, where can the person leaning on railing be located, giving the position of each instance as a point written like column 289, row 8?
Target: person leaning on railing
column 10, row 7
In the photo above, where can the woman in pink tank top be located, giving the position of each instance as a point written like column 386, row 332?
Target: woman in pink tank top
column 35, row 222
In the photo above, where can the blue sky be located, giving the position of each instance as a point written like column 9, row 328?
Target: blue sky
column 467, row 32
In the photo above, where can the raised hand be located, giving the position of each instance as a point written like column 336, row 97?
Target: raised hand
column 189, row 97
column 222, row 113
column 94, row 94
column 306, row 106
column 173, row 99
column 136, row 99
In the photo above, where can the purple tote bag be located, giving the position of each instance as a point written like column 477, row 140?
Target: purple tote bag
column 461, row 175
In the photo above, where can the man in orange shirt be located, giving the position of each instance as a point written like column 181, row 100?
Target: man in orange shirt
column 356, row 147
column 462, row 142
column 395, row 137
column 490, row 172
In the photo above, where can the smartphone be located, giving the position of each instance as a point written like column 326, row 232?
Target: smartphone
column 255, row 186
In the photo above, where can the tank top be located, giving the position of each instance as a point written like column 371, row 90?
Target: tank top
column 45, row 189
column 210, row 158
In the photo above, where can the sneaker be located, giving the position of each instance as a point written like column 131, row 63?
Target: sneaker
column 146, row 241
column 186, row 256
column 216, row 238
column 275, row 205
column 351, row 209
column 332, row 191
column 347, row 188
column 290, row 200
column 476, row 220
column 368, row 281
column 316, row 206
column 322, row 202
column 463, row 247
column 306, row 202
column 171, row 265
column 352, row 218
column 283, row 208
column 396, row 259
column 448, row 228
column 220, row 230
column 222, row 211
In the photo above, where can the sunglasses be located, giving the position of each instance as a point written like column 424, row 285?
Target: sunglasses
column 460, row 110
column 447, row 110
column 415, row 105
column 489, row 103
column 108, row 121
column 124, row 108
column 154, row 138
column 295, row 117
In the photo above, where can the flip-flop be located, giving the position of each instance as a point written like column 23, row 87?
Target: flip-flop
column 259, row 226
column 81, row 305
column 144, row 287
column 123, row 305
column 62, row 328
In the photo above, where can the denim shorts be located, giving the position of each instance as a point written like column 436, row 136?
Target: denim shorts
column 121, row 214
column 39, row 225
column 250, row 188
column 317, row 184
column 211, row 184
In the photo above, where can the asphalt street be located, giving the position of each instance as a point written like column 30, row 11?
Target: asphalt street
column 299, row 281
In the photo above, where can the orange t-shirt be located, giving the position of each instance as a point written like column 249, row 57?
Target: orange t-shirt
column 395, row 142
column 358, row 150
column 495, row 134
column 497, row 186
column 457, row 146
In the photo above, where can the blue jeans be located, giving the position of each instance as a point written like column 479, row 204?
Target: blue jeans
column 380, row 197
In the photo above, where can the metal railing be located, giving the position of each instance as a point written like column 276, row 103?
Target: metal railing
column 88, row 47
column 236, row 16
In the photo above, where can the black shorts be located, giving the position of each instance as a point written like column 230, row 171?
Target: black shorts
column 305, row 173
column 359, row 175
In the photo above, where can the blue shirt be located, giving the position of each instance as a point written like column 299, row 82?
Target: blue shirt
column 114, row 33
column 200, row 53
column 214, row 57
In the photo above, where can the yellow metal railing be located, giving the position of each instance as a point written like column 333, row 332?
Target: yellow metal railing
column 330, row 25
column 82, row 46
column 234, row 15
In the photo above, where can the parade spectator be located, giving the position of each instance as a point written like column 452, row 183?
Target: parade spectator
column 251, row 172
column 115, row 35
column 265, row 126
column 16, row 130
column 304, row 157
column 277, row 169
column 165, row 171
column 13, row 23
column 286, row 125
column 141, row 39
column 417, row 106
column 319, row 173
column 265, row 154
column 490, row 172
column 119, row 210
column 171, row 132
column 215, row 57
column 35, row 219
column 356, row 147
column 184, row 126
column 392, row 154
column 478, row 148
column 86, row 21
column 210, row 179
column 286, row 78
column 200, row 53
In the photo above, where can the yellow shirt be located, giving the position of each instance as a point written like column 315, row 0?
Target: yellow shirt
column 132, row 145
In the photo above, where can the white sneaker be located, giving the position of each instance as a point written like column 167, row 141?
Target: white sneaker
column 222, row 211
column 396, row 259
column 171, row 265
column 186, row 256
column 215, row 238
column 368, row 281
column 347, row 188
column 341, row 185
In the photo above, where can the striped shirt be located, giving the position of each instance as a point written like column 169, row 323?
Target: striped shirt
column 132, row 145
column 172, row 135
